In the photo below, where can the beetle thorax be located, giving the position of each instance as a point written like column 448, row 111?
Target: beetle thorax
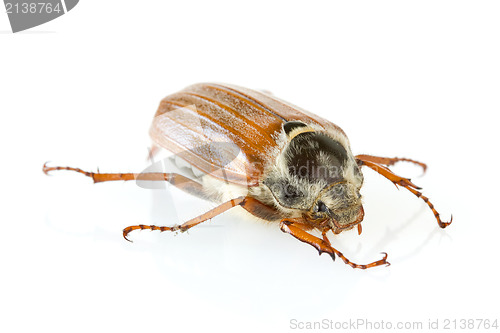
column 315, row 175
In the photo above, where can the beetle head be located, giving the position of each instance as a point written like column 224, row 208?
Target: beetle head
column 339, row 205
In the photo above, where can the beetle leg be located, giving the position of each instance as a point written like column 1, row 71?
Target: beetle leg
column 323, row 245
column 250, row 204
column 191, row 223
column 406, row 183
column 387, row 173
column 98, row 177
column 260, row 210
column 389, row 161
column 188, row 185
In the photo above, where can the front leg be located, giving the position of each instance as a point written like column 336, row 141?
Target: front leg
column 389, row 160
column 297, row 230
column 404, row 182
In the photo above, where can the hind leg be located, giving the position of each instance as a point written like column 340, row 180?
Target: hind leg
column 188, row 185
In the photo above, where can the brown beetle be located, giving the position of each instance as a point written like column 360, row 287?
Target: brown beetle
column 278, row 162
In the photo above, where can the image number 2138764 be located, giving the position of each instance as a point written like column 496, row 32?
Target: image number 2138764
column 278, row 162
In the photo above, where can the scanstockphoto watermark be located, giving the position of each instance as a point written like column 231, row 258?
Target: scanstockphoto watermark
column 355, row 324
column 363, row 324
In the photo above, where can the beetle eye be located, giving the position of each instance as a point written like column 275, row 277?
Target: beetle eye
column 290, row 192
column 321, row 207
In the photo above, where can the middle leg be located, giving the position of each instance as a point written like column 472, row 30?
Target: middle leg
column 250, row 204
column 191, row 223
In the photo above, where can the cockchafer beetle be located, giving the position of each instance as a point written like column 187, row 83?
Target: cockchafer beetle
column 291, row 167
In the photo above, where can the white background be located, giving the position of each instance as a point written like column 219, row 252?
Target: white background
column 417, row 79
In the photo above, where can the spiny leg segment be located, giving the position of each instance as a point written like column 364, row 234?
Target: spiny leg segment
column 191, row 223
column 98, row 177
column 406, row 183
column 431, row 206
column 187, row 185
column 297, row 230
column 390, row 160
